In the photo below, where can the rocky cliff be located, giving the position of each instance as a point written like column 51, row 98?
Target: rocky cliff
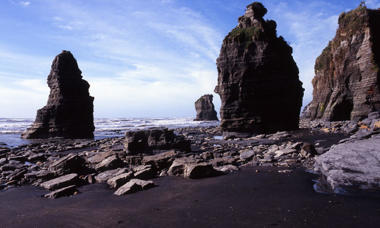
column 347, row 78
column 258, row 79
column 69, row 110
column 205, row 108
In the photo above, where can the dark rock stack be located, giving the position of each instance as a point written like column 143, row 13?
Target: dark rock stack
column 258, row 79
column 205, row 108
column 347, row 76
column 69, row 110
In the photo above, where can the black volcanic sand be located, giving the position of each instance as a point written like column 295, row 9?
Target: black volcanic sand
column 242, row 199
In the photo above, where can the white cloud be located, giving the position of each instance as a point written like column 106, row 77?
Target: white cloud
column 151, row 71
column 373, row 3
column 142, row 59
column 25, row 3
column 309, row 31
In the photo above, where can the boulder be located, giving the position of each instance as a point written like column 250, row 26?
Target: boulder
column 351, row 166
column 99, row 157
column 60, row 182
column 119, row 180
column 247, row 155
column 190, row 168
column 111, row 162
column 144, row 172
column 160, row 161
column 283, row 152
column 227, row 169
column 133, row 186
column 347, row 75
column 178, row 166
column 70, row 163
column 258, row 79
column 69, row 110
column 205, row 109
column 106, row 175
column 148, row 141
column 17, row 175
column 200, row 170
column 66, row 191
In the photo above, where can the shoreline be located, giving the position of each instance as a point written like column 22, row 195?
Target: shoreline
column 265, row 198
column 266, row 183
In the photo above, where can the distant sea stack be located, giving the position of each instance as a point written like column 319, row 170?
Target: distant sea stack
column 205, row 109
column 258, row 79
column 347, row 79
column 69, row 110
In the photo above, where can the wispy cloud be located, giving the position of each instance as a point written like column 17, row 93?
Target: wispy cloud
column 25, row 3
column 373, row 3
column 308, row 32
column 170, row 62
column 142, row 57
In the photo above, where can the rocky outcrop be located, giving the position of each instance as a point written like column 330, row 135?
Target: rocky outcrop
column 347, row 76
column 148, row 141
column 258, row 79
column 69, row 110
column 205, row 109
column 352, row 166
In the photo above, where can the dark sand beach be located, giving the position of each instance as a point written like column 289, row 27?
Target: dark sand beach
column 247, row 198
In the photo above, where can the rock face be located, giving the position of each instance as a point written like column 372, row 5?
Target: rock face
column 352, row 166
column 69, row 110
column 347, row 77
column 258, row 79
column 205, row 108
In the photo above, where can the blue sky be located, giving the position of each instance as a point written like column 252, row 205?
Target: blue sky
column 150, row 58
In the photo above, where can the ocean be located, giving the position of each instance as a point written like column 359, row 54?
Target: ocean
column 11, row 128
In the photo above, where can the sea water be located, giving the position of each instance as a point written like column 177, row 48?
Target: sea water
column 11, row 128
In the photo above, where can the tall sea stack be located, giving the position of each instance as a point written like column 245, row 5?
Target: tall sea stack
column 258, row 79
column 69, row 110
column 347, row 76
column 205, row 109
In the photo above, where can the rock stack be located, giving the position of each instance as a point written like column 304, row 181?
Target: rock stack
column 205, row 109
column 258, row 79
column 347, row 76
column 69, row 110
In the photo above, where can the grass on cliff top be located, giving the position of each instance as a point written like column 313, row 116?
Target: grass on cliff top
column 350, row 23
column 353, row 21
column 246, row 35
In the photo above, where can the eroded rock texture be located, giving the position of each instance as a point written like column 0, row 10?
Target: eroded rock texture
column 205, row 108
column 69, row 110
column 346, row 84
column 351, row 166
column 258, row 79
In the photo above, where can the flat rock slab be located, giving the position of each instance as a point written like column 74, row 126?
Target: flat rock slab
column 200, row 170
column 119, row 180
column 60, row 182
column 106, row 175
column 111, row 162
column 144, row 172
column 352, row 166
column 66, row 191
column 99, row 157
column 133, row 186
column 247, row 155
column 280, row 153
column 70, row 163
column 160, row 161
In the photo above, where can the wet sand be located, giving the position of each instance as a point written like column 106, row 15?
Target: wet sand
column 241, row 199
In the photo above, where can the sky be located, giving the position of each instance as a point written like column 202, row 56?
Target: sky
column 151, row 58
